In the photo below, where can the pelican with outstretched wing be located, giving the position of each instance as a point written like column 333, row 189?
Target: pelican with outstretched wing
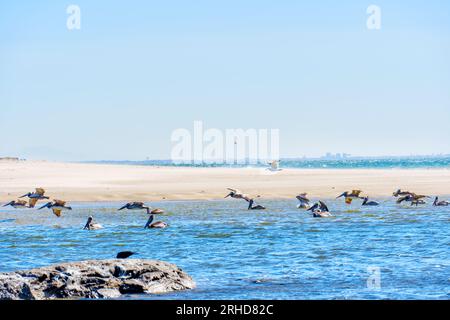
column 415, row 199
column 34, row 197
column 17, row 204
column 349, row 196
column 237, row 194
column 140, row 206
column 57, row 206
column 400, row 193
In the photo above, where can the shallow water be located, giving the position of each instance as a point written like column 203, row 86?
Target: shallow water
column 232, row 253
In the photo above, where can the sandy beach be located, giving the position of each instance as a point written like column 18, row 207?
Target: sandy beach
column 105, row 182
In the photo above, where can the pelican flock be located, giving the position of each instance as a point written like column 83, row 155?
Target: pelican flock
column 318, row 210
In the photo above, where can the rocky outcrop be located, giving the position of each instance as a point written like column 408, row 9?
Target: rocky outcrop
column 94, row 279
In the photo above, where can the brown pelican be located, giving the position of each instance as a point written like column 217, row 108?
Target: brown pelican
column 236, row 194
column 90, row 225
column 57, row 207
column 304, row 201
column 438, row 203
column 349, row 196
column 157, row 224
column 17, row 204
column 366, row 202
column 415, row 199
column 140, row 206
column 320, row 210
column 257, row 207
column 401, row 193
column 35, row 196
column 125, row 254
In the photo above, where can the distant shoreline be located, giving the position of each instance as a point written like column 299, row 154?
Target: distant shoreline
column 109, row 182
column 425, row 162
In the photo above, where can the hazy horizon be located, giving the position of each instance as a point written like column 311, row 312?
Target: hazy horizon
column 117, row 88
column 323, row 157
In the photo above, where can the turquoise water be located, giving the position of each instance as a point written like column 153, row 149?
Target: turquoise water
column 232, row 253
column 368, row 163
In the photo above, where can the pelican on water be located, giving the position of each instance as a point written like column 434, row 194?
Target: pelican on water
column 256, row 207
column 57, row 207
column 91, row 225
column 35, row 196
column 320, row 210
column 17, row 204
column 366, row 202
column 415, row 199
column 140, row 206
column 304, row 201
column 349, row 196
column 157, row 224
column 438, row 203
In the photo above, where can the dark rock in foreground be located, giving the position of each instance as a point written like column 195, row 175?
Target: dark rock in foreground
column 94, row 279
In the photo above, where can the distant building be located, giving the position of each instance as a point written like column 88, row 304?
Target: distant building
column 337, row 156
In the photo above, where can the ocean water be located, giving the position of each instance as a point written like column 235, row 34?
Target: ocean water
column 233, row 253
column 351, row 163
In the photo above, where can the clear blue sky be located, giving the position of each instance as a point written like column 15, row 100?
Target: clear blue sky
column 137, row 70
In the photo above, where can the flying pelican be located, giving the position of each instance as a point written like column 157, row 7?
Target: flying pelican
column 125, row 254
column 366, row 202
column 415, row 199
column 57, row 207
column 237, row 194
column 140, row 206
column 91, row 225
column 438, row 203
column 304, row 201
column 320, row 210
column 35, row 196
column 17, row 204
column 401, row 193
column 349, row 196
column 157, row 224
column 257, row 207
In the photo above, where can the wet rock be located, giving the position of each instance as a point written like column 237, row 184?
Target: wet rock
column 95, row 279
